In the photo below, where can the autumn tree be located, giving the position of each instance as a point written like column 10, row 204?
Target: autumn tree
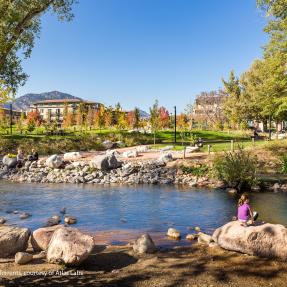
column 154, row 119
column 69, row 120
column 133, row 118
column 90, row 116
column 108, row 117
column 182, row 125
column 164, row 117
column 122, row 121
column 34, row 118
column 99, row 118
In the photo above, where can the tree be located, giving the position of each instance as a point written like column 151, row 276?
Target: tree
column 133, row 118
column 20, row 123
column 34, row 118
column 4, row 123
column 233, row 105
column 276, row 10
column 122, row 121
column 182, row 124
column 90, row 116
column 20, row 24
column 5, row 92
column 154, row 119
column 99, row 120
column 69, row 120
column 164, row 117
column 108, row 117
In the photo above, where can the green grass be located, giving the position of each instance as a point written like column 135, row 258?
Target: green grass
column 219, row 140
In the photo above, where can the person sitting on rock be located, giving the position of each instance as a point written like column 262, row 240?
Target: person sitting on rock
column 20, row 158
column 34, row 156
column 244, row 213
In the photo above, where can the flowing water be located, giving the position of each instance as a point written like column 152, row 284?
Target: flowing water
column 117, row 214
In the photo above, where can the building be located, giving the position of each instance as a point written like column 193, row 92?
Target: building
column 6, row 114
column 207, row 109
column 53, row 110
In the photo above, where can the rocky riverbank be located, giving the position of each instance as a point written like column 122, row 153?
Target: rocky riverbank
column 108, row 168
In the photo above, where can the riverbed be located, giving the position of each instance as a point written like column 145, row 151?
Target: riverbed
column 117, row 214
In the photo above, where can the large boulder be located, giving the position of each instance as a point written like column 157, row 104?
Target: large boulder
column 41, row 237
column 144, row 244
column 165, row 158
column 266, row 240
column 72, row 156
column 12, row 240
column 10, row 162
column 69, row 246
column 142, row 148
column 54, row 161
column 130, row 153
column 105, row 162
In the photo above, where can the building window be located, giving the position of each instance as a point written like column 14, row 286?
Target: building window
column 41, row 111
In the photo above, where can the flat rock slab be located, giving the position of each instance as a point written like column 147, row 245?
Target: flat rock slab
column 12, row 240
column 69, row 246
column 266, row 240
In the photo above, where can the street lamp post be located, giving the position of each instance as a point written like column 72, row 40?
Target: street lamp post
column 175, row 124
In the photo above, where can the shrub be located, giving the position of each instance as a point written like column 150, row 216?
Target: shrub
column 198, row 170
column 236, row 169
column 284, row 164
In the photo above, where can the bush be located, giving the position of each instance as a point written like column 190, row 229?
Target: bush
column 284, row 164
column 198, row 170
column 237, row 169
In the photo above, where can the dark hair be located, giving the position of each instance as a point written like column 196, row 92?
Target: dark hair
column 242, row 199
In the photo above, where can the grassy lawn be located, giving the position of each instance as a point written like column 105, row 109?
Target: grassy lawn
column 219, row 140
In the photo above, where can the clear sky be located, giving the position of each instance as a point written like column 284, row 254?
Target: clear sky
column 136, row 51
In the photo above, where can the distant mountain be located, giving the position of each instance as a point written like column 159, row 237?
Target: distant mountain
column 144, row 115
column 24, row 102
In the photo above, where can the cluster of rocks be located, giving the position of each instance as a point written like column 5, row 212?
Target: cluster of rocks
column 59, row 244
column 106, row 168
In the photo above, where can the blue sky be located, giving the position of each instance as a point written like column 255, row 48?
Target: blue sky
column 136, row 51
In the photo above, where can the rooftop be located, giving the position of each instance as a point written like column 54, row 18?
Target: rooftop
column 62, row 101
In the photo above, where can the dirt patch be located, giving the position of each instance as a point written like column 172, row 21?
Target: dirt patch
column 196, row 265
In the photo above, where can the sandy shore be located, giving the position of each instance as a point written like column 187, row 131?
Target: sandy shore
column 196, row 265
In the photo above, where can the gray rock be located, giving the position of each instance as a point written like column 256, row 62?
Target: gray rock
column 54, row 161
column 12, row 240
column 107, row 144
column 70, row 219
column 165, row 158
column 24, row 215
column 204, row 238
column 173, row 233
column 72, row 156
column 144, row 244
column 130, row 153
column 266, row 240
column 9, row 162
column 2, row 220
column 105, row 162
column 69, row 246
column 23, row 257
column 53, row 220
